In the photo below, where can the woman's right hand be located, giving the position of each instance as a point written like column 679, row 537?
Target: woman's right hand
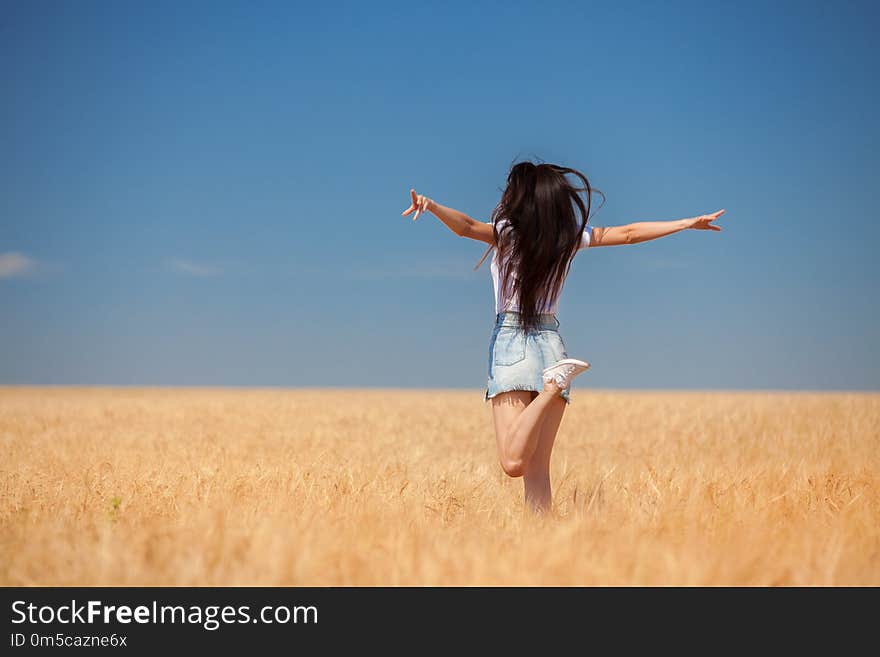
column 704, row 221
column 419, row 203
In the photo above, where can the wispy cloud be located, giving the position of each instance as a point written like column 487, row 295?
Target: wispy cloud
column 16, row 265
column 191, row 268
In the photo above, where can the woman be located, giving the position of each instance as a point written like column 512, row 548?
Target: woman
column 536, row 230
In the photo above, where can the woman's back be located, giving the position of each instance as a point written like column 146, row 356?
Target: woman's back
column 506, row 299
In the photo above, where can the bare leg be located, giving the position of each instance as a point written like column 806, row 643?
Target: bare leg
column 536, row 479
column 518, row 425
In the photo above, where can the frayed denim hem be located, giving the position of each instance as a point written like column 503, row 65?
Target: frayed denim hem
column 565, row 396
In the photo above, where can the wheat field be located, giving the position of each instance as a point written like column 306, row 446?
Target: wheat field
column 126, row 486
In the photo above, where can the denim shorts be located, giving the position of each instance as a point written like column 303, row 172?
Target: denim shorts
column 517, row 359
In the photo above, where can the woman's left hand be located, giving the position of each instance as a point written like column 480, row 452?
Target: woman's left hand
column 420, row 204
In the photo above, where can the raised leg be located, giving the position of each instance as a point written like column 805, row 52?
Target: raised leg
column 518, row 422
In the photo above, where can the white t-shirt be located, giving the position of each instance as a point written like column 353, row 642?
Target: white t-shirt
column 504, row 301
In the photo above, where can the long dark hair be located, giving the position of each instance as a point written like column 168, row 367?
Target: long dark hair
column 542, row 233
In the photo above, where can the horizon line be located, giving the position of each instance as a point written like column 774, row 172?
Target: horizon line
column 314, row 388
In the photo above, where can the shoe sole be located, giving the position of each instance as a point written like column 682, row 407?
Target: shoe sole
column 568, row 361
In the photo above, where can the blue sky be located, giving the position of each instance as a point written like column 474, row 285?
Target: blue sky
column 210, row 193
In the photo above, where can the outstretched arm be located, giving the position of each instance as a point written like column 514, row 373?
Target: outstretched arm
column 458, row 222
column 643, row 231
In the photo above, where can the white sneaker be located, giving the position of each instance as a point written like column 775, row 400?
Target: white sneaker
column 563, row 371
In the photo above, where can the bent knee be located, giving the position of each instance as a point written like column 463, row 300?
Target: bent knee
column 513, row 467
